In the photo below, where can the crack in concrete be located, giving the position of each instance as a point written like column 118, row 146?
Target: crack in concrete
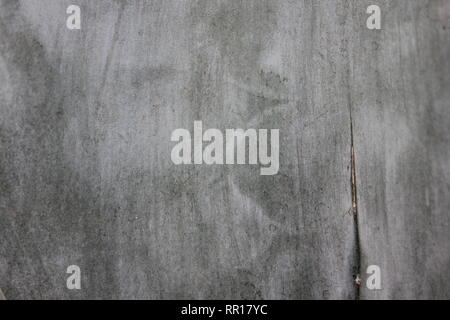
column 354, row 210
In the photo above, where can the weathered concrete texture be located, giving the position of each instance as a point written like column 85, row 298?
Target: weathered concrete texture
column 85, row 170
column 401, row 103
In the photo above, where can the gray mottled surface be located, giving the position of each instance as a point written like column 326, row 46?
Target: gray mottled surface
column 85, row 170
column 401, row 100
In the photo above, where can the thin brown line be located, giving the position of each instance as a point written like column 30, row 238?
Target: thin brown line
column 2, row 296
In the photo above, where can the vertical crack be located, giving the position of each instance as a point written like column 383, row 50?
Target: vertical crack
column 349, row 81
column 354, row 211
column 2, row 296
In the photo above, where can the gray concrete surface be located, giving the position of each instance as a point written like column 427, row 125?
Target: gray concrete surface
column 401, row 103
column 86, row 177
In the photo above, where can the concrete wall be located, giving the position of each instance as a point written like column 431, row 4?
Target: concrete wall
column 85, row 171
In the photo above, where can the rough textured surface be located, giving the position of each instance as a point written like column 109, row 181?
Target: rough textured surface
column 85, row 170
column 401, row 103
